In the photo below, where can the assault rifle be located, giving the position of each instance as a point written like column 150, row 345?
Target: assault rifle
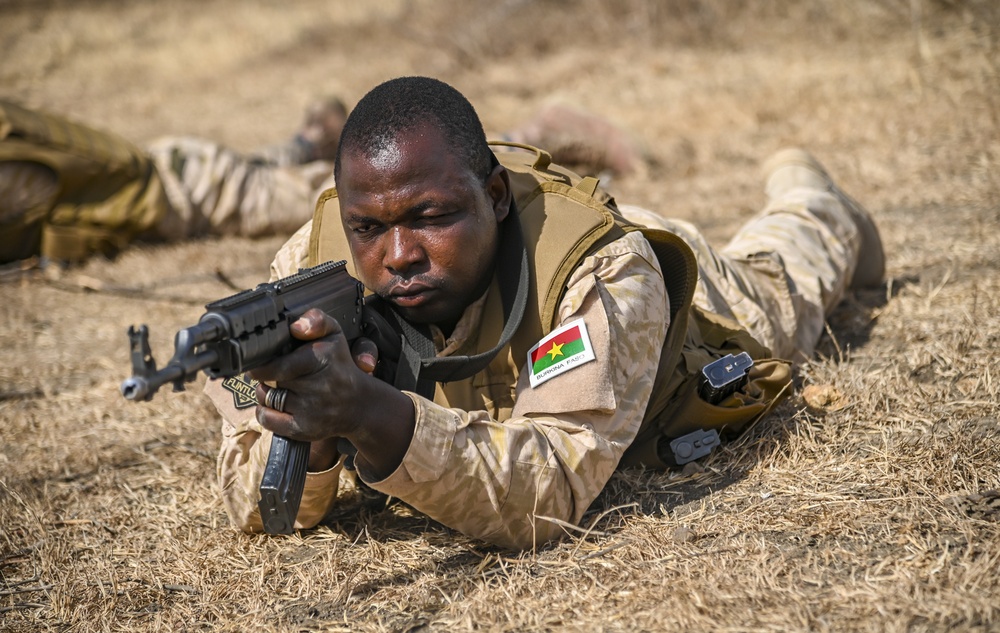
column 248, row 329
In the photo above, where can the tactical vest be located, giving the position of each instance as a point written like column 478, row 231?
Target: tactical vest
column 565, row 218
column 107, row 190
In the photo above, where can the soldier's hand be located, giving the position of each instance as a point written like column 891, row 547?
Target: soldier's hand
column 310, row 368
column 315, row 324
column 331, row 394
column 320, row 377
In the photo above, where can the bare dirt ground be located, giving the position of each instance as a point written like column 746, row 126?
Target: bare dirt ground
column 864, row 503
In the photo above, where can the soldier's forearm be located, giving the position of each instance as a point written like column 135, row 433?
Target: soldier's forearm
column 323, row 454
column 383, row 440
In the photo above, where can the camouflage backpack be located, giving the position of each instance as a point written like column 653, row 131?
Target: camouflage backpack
column 103, row 190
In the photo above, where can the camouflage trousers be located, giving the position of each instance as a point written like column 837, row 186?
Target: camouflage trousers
column 213, row 190
column 783, row 271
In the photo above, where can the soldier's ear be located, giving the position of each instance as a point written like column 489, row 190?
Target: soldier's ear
column 499, row 192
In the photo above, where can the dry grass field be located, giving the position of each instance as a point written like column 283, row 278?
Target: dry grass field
column 867, row 502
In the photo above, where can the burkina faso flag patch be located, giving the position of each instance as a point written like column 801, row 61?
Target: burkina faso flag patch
column 565, row 348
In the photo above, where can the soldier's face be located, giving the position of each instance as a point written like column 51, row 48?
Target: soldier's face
column 422, row 227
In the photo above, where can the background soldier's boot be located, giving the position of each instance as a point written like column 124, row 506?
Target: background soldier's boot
column 320, row 131
column 315, row 140
column 794, row 168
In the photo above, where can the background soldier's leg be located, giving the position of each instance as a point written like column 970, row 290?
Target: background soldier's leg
column 216, row 191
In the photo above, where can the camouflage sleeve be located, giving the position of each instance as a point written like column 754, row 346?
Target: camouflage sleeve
column 565, row 437
column 293, row 255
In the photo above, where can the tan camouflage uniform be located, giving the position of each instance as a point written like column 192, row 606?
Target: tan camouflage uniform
column 498, row 480
column 214, row 190
column 783, row 271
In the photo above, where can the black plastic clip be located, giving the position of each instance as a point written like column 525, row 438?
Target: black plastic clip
column 695, row 444
column 723, row 377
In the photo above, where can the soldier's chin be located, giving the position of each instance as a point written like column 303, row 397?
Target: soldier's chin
column 419, row 314
column 430, row 314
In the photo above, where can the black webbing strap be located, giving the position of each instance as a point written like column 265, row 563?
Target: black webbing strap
column 419, row 368
column 416, row 345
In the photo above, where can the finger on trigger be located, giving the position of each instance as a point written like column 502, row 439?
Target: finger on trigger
column 301, row 362
column 314, row 324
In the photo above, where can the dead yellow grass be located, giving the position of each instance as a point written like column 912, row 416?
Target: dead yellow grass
column 866, row 507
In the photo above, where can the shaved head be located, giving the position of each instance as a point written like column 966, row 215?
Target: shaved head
column 406, row 103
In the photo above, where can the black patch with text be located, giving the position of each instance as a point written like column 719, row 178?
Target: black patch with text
column 244, row 390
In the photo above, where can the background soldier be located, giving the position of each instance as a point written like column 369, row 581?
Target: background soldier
column 68, row 191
